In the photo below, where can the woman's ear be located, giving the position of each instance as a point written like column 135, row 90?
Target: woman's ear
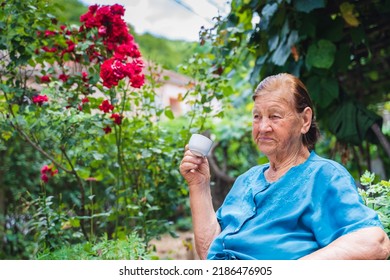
column 307, row 116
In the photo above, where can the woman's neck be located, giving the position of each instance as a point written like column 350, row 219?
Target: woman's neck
column 279, row 164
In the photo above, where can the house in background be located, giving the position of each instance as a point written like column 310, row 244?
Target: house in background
column 173, row 87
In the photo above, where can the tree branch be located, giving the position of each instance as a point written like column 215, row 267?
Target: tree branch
column 218, row 173
column 82, row 191
column 382, row 138
column 39, row 149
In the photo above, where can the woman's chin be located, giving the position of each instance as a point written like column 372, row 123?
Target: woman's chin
column 267, row 150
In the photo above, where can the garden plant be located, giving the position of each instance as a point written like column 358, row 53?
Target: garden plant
column 82, row 122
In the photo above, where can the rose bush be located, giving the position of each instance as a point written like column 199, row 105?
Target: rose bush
column 82, row 98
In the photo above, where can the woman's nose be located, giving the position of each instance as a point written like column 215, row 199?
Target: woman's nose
column 264, row 125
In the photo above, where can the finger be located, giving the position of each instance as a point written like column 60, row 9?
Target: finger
column 187, row 166
column 192, row 159
column 188, row 152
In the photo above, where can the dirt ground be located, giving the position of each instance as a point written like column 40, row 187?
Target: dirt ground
column 181, row 248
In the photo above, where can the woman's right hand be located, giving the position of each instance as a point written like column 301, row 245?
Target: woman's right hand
column 196, row 172
column 194, row 169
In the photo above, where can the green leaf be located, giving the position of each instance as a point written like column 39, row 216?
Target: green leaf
column 97, row 156
column 268, row 12
column 321, row 54
column 168, row 113
column 373, row 75
column 15, row 108
column 358, row 35
column 6, row 135
column 74, row 222
column 84, row 173
column 367, row 178
column 342, row 58
column 349, row 14
column 334, row 30
column 307, row 6
column 98, row 176
column 323, row 90
column 282, row 53
column 273, row 42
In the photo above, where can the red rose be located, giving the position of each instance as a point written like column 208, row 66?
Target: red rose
column 88, row 18
column 111, row 71
column 84, row 76
column 107, row 129
column 129, row 49
column 45, row 79
column 103, row 16
column 106, row 106
column 137, row 81
column 49, row 49
column 117, row 39
column 49, row 33
column 117, row 118
column 71, row 45
column 40, row 99
column 44, row 178
column 137, row 65
column 85, row 100
column 117, row 9
column 102, row 31
column 63, row 77
column 47, row 172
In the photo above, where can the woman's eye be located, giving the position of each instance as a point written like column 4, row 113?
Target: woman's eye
column 255, row 116
column 275, row 117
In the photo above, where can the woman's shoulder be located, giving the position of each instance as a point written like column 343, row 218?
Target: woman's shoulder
column 327, row 165
column 328, row 177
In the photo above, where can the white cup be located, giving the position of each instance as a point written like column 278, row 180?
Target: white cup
column 200, row 145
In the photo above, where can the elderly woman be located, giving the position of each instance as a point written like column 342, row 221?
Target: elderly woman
column 297, row 206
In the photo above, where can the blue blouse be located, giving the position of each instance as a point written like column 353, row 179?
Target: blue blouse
column 310, row 206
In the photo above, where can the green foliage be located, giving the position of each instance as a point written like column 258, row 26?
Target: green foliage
column 376, row 195
column 235, row 143
column 321, row 54
column 323, row 89
column 308, row 5
column 46, row 223
column 69, row 11
column 167, row 53
column 130, row 248
column 207, row 89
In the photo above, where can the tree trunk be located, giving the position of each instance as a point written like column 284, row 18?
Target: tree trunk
column 382, row 138
column 222, row 182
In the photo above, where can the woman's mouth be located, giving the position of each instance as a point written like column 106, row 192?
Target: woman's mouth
column 264, row 139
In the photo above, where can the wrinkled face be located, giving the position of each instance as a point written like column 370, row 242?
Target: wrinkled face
column 276, row 127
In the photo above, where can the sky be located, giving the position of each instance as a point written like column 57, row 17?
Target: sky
column 172, row 19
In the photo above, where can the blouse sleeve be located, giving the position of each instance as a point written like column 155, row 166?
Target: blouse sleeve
column 337, row 208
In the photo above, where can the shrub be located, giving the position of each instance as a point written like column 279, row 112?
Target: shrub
column 82, row 98
column 376, row 195
column 130, row 248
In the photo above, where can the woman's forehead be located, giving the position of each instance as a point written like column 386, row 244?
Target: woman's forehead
column 278, row 96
